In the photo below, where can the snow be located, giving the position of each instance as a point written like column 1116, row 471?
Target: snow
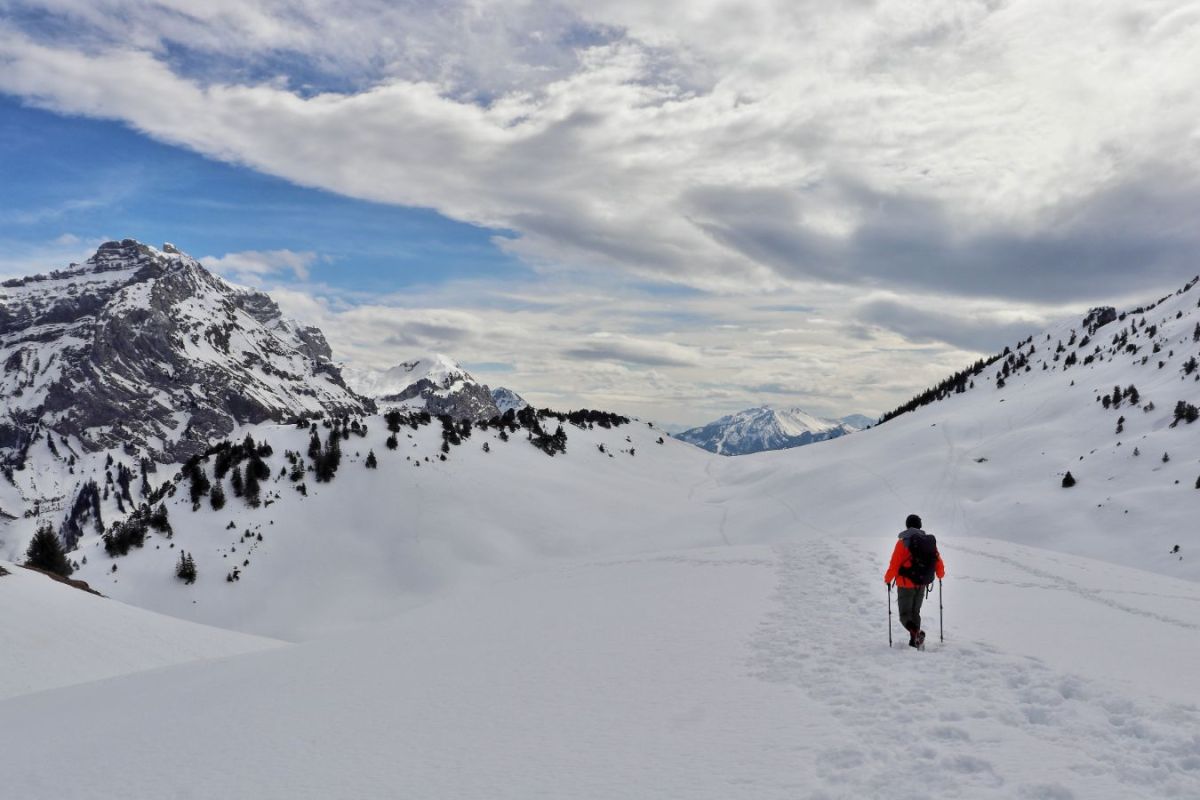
column 758, row 671
column 55, row 635
column 796, row 421
column 440, row 370
column 651, row 620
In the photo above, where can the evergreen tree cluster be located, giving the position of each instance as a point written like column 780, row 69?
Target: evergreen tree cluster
column 85, row 508
column 198, row 483
column 551, row 443
column 124, row 477
column 396, row 419
column 129, row 533
column 326, row 459
column 159, row 521
column 185, row 570
column 46, row 552
column 1119, row 395
column 1185, row 412
column 588, row 418
column 296, row 461
column 957, row 383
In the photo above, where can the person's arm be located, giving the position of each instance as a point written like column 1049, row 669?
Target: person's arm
column 899, row 555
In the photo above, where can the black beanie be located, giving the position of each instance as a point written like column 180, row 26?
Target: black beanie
column 913, row 521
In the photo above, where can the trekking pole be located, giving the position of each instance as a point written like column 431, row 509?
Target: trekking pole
column 889, row 614
column 941, row 623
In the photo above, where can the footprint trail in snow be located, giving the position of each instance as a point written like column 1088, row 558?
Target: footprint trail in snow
column 963, row 719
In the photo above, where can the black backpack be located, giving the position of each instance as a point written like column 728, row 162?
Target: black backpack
column 923, row 553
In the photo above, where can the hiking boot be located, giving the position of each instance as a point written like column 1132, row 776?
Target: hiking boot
column 920, row 640
column 912, row 641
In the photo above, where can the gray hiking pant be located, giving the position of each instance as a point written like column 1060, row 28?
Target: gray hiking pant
column 908, row 602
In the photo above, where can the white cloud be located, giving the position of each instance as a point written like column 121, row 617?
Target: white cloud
column 1025, row 156
column 252, row 266
column 946, row 130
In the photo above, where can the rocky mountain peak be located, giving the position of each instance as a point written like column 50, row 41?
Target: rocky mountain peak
column 435, row 383
column 146, row 348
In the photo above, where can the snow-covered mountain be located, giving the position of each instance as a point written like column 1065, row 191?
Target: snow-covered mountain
column 140, row 348
column 763, row 428
column 433, row 383
column 507, row 398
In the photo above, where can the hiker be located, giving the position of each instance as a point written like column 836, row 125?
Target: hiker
column 915, row 561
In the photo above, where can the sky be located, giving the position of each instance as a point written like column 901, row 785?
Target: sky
column 671, row 209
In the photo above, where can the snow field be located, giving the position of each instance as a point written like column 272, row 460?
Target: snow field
column 55, row 635
column 722, row 672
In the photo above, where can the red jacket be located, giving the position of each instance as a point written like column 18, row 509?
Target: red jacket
column 902, row 558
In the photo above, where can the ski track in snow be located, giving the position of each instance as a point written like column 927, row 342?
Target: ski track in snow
column 1053, row 581
column 908, row 724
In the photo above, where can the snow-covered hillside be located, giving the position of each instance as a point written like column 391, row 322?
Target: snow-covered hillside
column 373, row 541
column 708, row 673
column 55, row 635
column 763, row 428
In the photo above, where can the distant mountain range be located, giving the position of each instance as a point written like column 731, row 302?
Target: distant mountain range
column 763, row 428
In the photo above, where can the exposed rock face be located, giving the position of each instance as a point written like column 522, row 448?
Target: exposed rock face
column 434, row 383
column 145, row 348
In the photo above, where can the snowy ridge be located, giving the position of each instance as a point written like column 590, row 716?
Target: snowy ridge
column 757, row 429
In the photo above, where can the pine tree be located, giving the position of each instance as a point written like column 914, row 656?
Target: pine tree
column 185, row 570
column 235, row 481
column 217, row 497
column 392, row 442
column 160, row 521
column 46, row 552
column 1068, row 480
column 250, row 490
column 199, row 483
column 371, row 463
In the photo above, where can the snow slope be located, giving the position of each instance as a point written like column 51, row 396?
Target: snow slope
column 758, row 671
column 374, row 542
column 55, row 635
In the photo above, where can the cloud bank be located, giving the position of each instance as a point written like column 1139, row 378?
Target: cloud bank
column 954, row 153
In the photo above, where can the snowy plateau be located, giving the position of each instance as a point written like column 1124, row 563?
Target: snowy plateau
column 576, row 605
